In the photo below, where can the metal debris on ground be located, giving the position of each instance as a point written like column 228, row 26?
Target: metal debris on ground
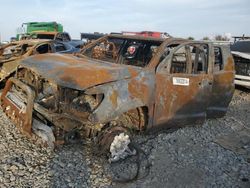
column 119, row 148
column 44, row 132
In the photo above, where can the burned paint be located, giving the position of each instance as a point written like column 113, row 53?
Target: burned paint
column 139, row 90
column 78, row 73
column 15, row 107
column 113, row 99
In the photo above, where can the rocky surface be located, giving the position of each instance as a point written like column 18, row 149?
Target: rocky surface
column 187, row 157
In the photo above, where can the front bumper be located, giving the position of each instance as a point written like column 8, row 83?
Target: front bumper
column 20, row 105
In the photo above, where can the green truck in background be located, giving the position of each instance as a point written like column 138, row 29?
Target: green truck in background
column 45, row 30
column 30, row 28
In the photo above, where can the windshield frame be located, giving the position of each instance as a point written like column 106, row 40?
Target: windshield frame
column 92, row 44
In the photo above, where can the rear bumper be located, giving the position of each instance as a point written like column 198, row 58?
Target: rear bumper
column 16, row 108
column 242, row 80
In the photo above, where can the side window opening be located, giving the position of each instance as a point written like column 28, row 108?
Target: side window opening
column 199, row 57
column 59, row 37
column 44, row 36
column 167, row 51
column 44, row 48
column 105, row 50
column 179, row 61
column 138, row 53
column 190, row 59
column 60, row 47
column 132, row 52
column 66, row 37
column 24, row 49
column 218, row 61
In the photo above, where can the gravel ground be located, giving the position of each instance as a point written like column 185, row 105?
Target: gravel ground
column 187, row 157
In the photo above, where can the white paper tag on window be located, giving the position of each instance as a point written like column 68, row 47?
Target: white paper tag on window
column 180, row 81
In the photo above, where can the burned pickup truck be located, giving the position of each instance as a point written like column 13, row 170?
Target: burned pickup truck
column 120, row 83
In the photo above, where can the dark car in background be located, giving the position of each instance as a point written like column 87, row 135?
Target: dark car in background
column 57, row 36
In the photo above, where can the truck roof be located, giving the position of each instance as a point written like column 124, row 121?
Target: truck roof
column 136, row 37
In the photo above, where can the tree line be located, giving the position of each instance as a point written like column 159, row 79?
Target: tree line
column 217, row 37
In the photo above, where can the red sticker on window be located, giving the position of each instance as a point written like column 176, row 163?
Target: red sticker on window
column 131, row 50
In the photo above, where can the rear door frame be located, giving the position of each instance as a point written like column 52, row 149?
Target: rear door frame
column 223, row 86
column 198, row 108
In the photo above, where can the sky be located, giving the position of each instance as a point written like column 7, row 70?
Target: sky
column 180, row 18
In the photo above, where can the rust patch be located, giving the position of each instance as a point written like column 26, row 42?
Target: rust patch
column 16, row 109
column 85, row 78
column 138, row 89
column 132, row 72
column 113, row 98
column 229, row 65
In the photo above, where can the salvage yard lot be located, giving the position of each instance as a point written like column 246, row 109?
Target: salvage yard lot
column 194, row 156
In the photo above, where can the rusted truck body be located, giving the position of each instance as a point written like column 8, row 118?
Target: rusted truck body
column 122, row 81
column 13, row 53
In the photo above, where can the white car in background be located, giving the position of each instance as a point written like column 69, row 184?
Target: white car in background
column 241, row 53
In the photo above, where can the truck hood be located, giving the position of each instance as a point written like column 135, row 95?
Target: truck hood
column 77, row 73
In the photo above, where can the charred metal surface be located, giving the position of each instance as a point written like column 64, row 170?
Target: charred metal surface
column 18, row 110
column 128, row 81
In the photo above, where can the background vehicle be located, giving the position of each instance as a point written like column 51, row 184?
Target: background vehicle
column 46, row 30
column 241, row 53
column 155, row 34
column 88, row 37
column 59, row 36
column 13, row 53
column 32, row 27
